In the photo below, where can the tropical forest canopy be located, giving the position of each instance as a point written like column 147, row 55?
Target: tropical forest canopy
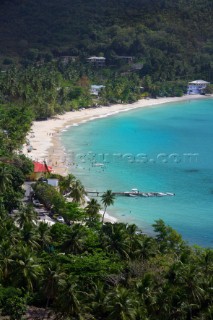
column 173, row 39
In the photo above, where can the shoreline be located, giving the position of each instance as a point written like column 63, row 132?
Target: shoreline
column 44, row 135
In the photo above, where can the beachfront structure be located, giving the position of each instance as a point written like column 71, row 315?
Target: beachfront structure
column 97, row 61
column 39, row 170
column 96, row 89
column 53, row 182
column 197, row 87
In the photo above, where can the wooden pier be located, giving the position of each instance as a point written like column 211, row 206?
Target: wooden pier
column 134, row 194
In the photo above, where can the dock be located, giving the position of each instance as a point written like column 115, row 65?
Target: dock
column 134, row 194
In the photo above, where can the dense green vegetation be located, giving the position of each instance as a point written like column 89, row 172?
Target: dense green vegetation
column 90, row 271
column 54, row 88
column 173, row 39
column 167, row 43
column 39, row 92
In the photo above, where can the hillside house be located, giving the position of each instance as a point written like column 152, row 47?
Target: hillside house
column 136, row 66
column 67, row 59
column 97, row 61
column 96, row 89
column 197, row 87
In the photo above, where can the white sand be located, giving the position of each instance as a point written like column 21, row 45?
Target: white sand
column 44, row 135
column 43, row 132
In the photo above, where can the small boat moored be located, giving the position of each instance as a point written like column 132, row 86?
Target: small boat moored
column 134, row 190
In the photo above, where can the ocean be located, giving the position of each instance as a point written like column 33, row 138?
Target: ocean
column 167, row 148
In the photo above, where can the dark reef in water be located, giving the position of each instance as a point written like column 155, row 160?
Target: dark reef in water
column 191, row 170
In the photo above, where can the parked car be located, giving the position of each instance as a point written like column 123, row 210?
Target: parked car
column 60, row 219
column 37, row 203
column 41, row 214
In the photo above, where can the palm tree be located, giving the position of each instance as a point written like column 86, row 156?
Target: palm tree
column 26, row 214
column 5, row 178
column 115, row 239
column 132, row 234
column 67, row 300
column 141, row 246
column 26, row 269
column 146, row 291
column 120, row 304
column 6, row 259
column 3, row 212
column 75, row 240
column 43, row 233
column 187, row 289
column 107, row 199
column 206, row 260
column 147, row 247
column 8, row 230
column 66, row 183
column 192, row 281
column 92, row 209
column 77, row 191
column 29, row 235
column 95, row 298
column 52, row 276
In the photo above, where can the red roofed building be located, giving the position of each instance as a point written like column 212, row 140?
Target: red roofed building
column 41, row 167
column 39, row 170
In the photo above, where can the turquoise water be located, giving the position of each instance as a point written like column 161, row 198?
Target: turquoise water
column 158, row 149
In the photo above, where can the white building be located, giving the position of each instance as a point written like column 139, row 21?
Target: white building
column 67, row 59
column 97, row 61
column 197, row 87
column 95, row 89
column 53, row 182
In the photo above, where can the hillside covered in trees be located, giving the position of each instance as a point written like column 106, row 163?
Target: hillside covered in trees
column 173, row 39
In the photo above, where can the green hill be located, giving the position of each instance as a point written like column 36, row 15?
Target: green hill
column 173, row 39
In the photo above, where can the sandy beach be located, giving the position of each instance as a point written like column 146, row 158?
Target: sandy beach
column 44, row 135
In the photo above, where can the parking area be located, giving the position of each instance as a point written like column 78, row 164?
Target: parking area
column 43, row 214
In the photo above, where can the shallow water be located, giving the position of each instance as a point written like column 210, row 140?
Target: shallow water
column 158, row 149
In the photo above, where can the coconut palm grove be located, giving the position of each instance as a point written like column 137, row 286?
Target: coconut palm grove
column 81, row 267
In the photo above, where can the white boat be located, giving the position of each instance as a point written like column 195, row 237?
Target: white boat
column 134, row 190
column 98, row 164
column 126, row 193
column 132, row 195
column 161, row 194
